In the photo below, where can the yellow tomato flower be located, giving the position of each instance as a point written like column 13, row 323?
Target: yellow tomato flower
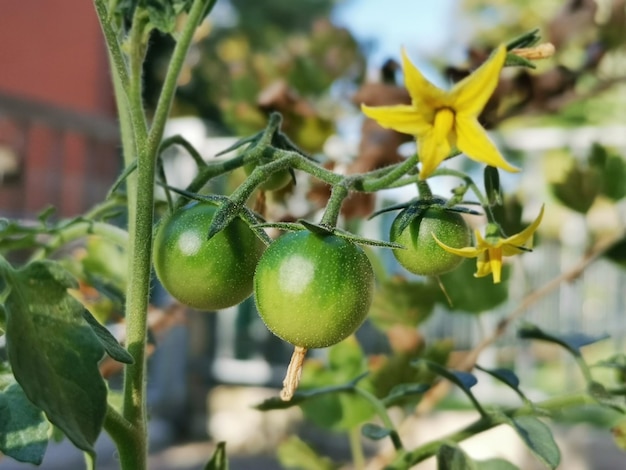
column 441, row 120
column 490, row 249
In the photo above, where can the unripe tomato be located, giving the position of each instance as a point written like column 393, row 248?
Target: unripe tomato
column 422, row 254
column 313, row 290
column 276, row 181
column 205, row 274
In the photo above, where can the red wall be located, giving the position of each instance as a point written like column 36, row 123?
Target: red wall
column 53, row 50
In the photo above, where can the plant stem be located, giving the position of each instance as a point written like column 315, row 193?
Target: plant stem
column 407, row 459
column 117, row 427
column 356, row 448
column 120, row 69
column 81, row 229
column 133, row 453
column 381, row 411
column 333, row 207
column 387, row 179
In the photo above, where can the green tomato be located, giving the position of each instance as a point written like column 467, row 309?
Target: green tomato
column 313, row 290
column 276, row 181
column 205, row 274
column 422, row 254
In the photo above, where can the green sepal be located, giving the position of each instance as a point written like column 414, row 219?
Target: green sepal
column 219, row 460
column 226, row 216
column 527, row 39
column 240, row 143
column 316, row 228
column 513, row 60
column 365, row 241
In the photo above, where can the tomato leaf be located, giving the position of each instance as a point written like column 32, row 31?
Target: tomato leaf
column 465, row 293
column 23, row 426
column 538, row 438
column 53, row 352
column 506, row 376
column 464, row 380
column 572, row 342
column 495, row 464
column 219, row 461
column 108, row 341
column 375, row 432
column 398, row 301
column 453, row 458
column 295, row 453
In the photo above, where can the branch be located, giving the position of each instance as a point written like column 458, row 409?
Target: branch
column 436, row 393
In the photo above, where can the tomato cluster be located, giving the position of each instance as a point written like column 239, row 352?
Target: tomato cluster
column 312, row 289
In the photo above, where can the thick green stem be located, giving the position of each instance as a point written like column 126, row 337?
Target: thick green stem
column 134, row 409
column 384, row 181
column 424, row 190
column 333, row 207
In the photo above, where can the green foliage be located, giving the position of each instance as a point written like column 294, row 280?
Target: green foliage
column 538, row 438
column 572, row 342
column 297, row 454
column 462, row 292
column 54, row 344
column 53, row 352
column 219, row 460
column 603, row 173
column 337, row 411
column 23, row 426
column 398, row 301
column 453, row 458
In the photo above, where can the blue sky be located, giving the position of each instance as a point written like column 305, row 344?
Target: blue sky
column 430, row 30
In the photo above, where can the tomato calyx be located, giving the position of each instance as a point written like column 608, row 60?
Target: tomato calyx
column 323, row 230
column 416, row 208
column 228, row 210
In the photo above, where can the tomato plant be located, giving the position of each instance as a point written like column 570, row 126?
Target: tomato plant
column 313, row 290
column 422, row 254
column 205, row 274
column 276, row 181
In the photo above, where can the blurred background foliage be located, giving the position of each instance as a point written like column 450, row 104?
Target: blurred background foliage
column 260, row 57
